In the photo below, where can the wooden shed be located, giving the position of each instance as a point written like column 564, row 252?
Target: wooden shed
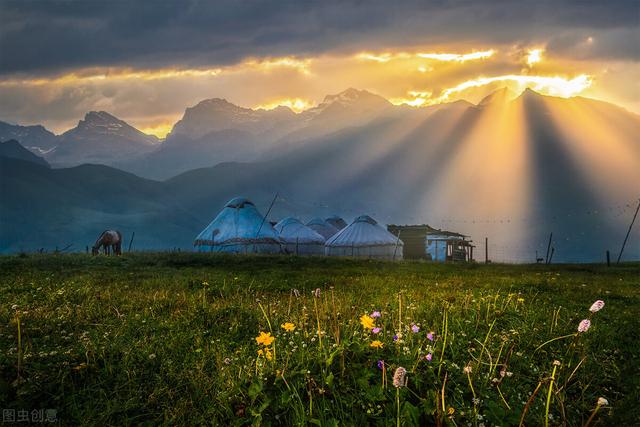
column 426, row 242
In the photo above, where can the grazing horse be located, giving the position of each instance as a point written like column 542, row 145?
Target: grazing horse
column 109, row 239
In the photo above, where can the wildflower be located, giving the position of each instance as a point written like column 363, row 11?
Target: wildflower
column 14, row 307
column 376, row 344
column 467, row 369
column 475, row 401
column 296, row 293
column 376, row 314
column 265, row 338
column 267, row 353
column 396, row 337
column 450, row 411
column 380, row 364
column 430, row 336
column 429, row 357
column 596, row 306
column 415, row 328
column 584, row 325
column 366, row 322
column 288, row 326
column 520, row 300
column 602, row 401
column 316, row 293
column 400, row 377
column 227, row 361
column 152, row 356
column 376, row 330
column 556, row 363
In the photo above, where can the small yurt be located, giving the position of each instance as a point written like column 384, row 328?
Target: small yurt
column 337, row 222
column 239, row 228
column 322, row 227
column 365, row 238
column 299, row 239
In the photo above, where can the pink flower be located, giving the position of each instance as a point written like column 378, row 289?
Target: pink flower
column 400, row 377
column 429, row 357
column 597, row 306
column 584, row 325
column 430, row 336
column 376, row 330
column 415, row 329
column 375, row 314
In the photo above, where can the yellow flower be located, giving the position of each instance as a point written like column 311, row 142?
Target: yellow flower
column 450, row 411
column 367, row 321
column 267, row 353
column 520, row 299
column 260, row 352
column 376, row 344
column 288, row 326
column 265, row 338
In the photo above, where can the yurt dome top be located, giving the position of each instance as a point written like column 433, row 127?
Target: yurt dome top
column 239, row 222
column 364, row 231
column 322, row 227
column 336, row 221
column 238, row 203
column 291, row 230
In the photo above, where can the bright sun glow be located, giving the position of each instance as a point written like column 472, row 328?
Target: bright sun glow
column 457, row 57
column 296, row 104
column 534, row 56
column 445, row 57
column 160, row 130
column 553, row 86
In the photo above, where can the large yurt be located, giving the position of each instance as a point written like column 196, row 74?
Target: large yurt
column 365, row 238
column 337, row 222
column 299, row 239
column 322, row 227
column 239, row 228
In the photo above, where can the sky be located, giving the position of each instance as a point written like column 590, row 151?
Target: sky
column 146, row 61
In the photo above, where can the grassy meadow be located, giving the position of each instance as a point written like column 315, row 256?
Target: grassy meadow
column 222, row 340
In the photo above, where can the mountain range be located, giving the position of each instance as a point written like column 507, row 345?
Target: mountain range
column 513, row 168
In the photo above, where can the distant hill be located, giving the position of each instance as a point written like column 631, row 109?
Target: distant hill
column 13, row 150
column 101, row 138
column 35, row 138
column 48, row 208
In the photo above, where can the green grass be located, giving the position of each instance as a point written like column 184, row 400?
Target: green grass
column 170, row 339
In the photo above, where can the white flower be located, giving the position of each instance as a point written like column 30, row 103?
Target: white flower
column 597, row 306
column 602, row 401
column 584, row 325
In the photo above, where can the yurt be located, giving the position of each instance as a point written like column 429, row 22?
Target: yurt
column 322, row 227
column 239, row 228
column 299, row 239
column 337, row 222
column 365, row 238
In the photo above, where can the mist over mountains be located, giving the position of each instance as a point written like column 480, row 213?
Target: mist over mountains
column 512, row 168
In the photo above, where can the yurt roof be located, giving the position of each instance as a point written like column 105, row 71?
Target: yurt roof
column 336, row 221
column 321, row 226
column 239, row 222
column 364, row 231
column 291, row 230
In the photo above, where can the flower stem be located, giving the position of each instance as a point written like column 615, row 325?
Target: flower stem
column 546, row 410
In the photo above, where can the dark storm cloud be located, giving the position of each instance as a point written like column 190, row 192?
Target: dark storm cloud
column 44, row 37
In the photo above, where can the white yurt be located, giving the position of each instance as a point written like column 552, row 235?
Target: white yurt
column 365, row 238
column 337, row 222
column 239, row 228
column 322, row 227
column 299, row 239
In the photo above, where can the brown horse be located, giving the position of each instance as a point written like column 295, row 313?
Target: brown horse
column 109, row 239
